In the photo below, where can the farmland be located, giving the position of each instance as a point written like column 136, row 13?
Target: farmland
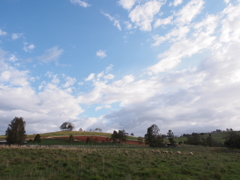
column 119, row 163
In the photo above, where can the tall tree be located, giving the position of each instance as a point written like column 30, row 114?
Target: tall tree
column 67, row 126
column 170, row 136
column 16, row 131
column 153, row 138
column 37, row 138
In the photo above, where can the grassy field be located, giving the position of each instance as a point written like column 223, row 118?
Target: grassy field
column 119, row 164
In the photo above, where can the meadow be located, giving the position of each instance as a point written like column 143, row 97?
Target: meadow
column 122, row 163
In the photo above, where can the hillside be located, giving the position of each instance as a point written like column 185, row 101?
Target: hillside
column 68, row 133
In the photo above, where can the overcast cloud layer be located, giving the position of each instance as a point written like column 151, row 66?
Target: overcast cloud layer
column 189, row 80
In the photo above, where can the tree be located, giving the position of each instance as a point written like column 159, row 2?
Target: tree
column 153, row 138
column 81, row 130
column 67, row 126
column 209, row 140
column 171, row 137
column 37, row 138
column 121, row 135
column 98, row 129
column 232, row 140
column 71, row 138
column 16, row 131
column 132, row 134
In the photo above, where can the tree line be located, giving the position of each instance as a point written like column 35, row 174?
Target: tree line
column 16, row 134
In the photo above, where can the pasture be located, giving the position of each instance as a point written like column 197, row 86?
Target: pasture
column 123, row 163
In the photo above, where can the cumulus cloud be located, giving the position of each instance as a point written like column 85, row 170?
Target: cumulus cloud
column 51, row 54
column 28, row 47
column 3, row 33
column 114, row 20
column 80, row 3
column 143, row 15
column 17, row 35
column 102, row 54
column 127, row 4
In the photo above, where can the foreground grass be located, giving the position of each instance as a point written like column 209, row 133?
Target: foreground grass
column 121, row 163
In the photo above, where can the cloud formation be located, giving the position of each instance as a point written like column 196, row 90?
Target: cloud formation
column 143, row 15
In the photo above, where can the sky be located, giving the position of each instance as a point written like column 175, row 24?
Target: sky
column 120, row 64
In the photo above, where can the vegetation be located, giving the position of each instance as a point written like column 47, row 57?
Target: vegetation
column 232, row 140
column 15, row 133
column 122, row 163
column 153, row 138
column 37, row 138
column 121, row 136
column 67, row 126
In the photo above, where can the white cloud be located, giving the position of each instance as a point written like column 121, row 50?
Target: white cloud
column 128, row 25
column 17, row 35
column 80, row 3
column 189, row 12
column 231, row 24
column 90, row 77
column 127, row 4
column 175, row 35
column 69, row 82
column 160, row 22
column 143, row 15
column 109, row 76
column 176, row 2
column 13, row 58
column 51, row 54
column 28, row 48
column 115, row 21
column 226, row 1
column 106, row 106
column 102, row 54
column 109, row 68
column 3, row 33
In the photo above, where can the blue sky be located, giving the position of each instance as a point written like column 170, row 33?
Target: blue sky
column 120, row 64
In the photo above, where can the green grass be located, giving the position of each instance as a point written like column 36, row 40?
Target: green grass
column 119, row 164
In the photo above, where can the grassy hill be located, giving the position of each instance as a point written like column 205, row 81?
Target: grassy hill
column 74, row 133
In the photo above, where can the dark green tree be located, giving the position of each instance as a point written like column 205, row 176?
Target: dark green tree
column 209, row 141
column 170, row 136
column 67, row 126
column 16, row 131
column 153, row 138
column 232, row 140
column 37, row 138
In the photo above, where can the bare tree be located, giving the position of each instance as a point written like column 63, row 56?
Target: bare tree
column 80, row 129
